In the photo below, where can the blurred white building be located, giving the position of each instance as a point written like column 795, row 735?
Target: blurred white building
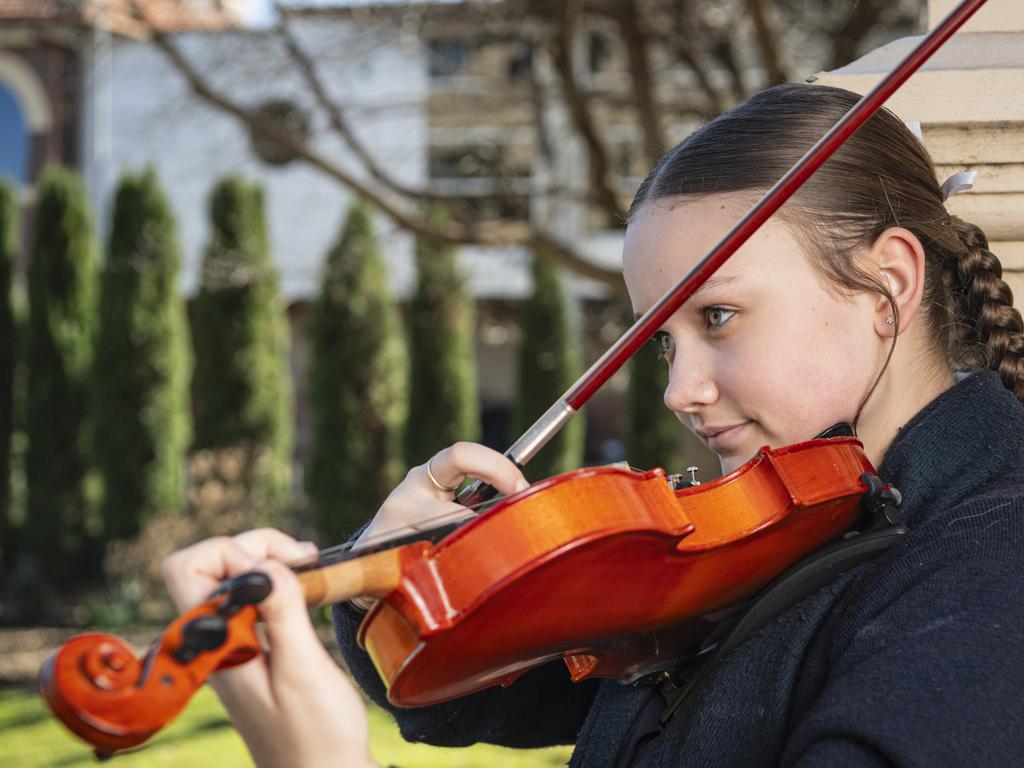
column 140, row 111
column 80, row 86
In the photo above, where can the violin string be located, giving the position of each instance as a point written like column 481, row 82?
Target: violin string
column 382, row 539
column 423, row 526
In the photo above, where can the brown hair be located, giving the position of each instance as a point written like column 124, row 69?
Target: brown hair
column 881, row 177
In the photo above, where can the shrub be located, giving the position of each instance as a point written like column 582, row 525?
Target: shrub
column 548, row 365
column 443, row 404
column 9, row 215
column 142, row 362
column 241, row 383
column 62, row 304
column 222, row 499
column 357, row 384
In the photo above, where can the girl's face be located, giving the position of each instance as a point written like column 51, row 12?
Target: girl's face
column 765, row 353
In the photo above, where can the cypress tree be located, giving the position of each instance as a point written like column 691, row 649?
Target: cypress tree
column 241, row 382
column 357, row 384
column 62, row 303
column 548, row 365
column 8, row 358
column 142, row 362
column 443, row 404
column 654, row 435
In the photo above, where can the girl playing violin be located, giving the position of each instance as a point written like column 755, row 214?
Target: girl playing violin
column 862, row 301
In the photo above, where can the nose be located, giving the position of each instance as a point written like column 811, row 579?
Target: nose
column 691, row 381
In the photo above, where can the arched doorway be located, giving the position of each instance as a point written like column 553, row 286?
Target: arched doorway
column 26, row 119
column 14, row 139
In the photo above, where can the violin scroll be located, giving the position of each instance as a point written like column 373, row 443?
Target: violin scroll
column 114, row 701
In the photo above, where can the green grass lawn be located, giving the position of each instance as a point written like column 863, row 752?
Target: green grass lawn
column 202, row 737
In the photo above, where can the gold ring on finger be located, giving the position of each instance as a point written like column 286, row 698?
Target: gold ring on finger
column 437, row 483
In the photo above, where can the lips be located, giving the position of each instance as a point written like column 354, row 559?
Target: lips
column 723, row 438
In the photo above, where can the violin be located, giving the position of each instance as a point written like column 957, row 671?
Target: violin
column 615, row 571
column 508, row 591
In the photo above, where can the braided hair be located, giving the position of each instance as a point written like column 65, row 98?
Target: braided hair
column 881, row 177
column 989, row 330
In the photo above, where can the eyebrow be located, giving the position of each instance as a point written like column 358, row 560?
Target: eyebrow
column 712, row 282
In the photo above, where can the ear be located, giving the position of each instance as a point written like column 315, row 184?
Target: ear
column 899, row 258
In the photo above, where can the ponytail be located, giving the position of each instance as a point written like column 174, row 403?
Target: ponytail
column 992, row 331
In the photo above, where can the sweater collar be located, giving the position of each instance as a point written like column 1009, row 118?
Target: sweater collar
column 971, row 433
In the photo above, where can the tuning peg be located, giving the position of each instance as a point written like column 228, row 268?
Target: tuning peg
column 204, row 633
column 247, row 589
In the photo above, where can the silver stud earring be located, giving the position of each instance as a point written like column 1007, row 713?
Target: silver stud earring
column 889, row 320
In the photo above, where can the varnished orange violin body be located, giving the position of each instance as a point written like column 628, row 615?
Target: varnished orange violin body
column 609, row 568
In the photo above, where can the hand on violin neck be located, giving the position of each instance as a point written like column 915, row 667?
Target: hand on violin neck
column 292, row 706
column 421, row 502
column 193, row 573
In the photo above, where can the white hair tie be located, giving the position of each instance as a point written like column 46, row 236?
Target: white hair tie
column 914, row 126
column 958, row 182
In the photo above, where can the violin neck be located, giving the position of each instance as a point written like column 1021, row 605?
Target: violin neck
column 373, row 575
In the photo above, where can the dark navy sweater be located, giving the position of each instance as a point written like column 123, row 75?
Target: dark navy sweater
column 914, row 659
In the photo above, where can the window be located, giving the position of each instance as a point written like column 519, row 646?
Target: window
column 520, row 63
column 493, row 208
column 446, row 58
column 14, row 140
column 480, row 161
column 600, row 52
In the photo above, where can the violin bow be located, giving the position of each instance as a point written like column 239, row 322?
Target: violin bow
column 548, row 425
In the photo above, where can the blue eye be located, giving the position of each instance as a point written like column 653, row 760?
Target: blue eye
column 664, row 344
column 716, row 317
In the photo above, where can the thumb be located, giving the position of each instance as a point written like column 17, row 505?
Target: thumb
column 284, row 612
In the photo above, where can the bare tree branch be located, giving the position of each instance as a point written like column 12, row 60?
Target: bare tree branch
column 679, row 39
column 700, row 34
column 337, row 119
column 721, row 47
column 562, row 55
column 482, row 233
column 456, row 208
column 538, row 99
column 692, row 23
column 766, row 41
column 627, row 17
column 863, row 17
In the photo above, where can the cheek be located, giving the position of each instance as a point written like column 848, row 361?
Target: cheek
column 805, row 376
